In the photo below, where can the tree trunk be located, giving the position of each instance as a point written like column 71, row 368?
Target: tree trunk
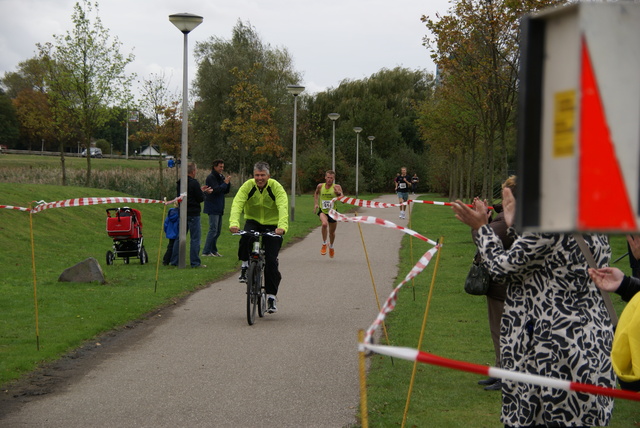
column 62, row 165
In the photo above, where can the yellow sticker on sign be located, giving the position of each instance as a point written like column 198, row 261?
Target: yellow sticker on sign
column 564, row 123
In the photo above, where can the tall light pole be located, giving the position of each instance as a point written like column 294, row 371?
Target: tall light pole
column 294, row 90
column 371, row 138
column 357, row 130
column 185, row 22
column 334, row 117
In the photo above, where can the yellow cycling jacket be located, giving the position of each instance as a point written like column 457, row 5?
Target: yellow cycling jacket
column 625, row 354
column 268, row 207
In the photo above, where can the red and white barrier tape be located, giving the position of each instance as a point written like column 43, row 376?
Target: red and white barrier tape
column 427, row 358
column 367, row 204
column 372, row 204
column 80, row 202
column 448, row 204
column 11, row 207
column 390, row 303
column 380, row 222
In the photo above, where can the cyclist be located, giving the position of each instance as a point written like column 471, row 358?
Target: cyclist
column 265, row 205
column 325, row 192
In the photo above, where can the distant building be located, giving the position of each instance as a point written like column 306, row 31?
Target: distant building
column 149, row 151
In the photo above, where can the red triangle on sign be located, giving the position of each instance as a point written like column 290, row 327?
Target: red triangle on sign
column 603, row 203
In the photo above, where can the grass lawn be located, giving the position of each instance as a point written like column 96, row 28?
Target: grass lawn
column 70, row 313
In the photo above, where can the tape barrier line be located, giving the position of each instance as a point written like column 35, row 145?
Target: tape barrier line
column 373, row 204
column 427, row 358
column 380, row 222
column 390, row 303
column 365, row 203
column 80, row 202
column 11, row 207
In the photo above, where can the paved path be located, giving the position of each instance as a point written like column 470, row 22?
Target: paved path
column 202, row 365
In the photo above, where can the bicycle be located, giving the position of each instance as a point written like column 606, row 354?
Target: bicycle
column 256, row 291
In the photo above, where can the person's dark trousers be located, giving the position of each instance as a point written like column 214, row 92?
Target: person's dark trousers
column 166, row 259
column 272, row 246
column 193, row 229
column 215, row 227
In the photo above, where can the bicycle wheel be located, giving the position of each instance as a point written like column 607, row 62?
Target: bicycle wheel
column 252, row 295
column 262, row 295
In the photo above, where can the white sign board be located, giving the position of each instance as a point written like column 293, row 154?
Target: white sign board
column 579, row 125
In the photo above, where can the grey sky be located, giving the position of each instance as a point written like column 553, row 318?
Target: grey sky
column 329, row 40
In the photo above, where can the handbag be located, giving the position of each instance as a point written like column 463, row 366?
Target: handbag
column 477, row 282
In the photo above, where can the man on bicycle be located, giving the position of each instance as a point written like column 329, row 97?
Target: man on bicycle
column 265, row 205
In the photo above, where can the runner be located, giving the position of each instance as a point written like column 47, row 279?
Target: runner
column 325, row 192
column 403, row 183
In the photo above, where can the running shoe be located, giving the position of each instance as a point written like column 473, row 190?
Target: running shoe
column 323, row 250
column 331, row 252
column 271, row 304
column 243, row 275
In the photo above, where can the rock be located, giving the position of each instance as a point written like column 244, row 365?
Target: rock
column 88, row 270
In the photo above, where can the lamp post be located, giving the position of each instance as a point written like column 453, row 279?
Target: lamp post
column 371, row 138
column 294, row 90
column 334, row 117
column 357, row 130
column 185, row 22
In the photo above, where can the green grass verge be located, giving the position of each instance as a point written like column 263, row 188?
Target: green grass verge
column 70, row 313
column 456, row 327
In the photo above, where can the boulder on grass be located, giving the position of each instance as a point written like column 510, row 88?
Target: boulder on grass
column 88, row 270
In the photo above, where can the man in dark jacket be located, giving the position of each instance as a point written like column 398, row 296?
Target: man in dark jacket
column 195, row 196
column 214, row 206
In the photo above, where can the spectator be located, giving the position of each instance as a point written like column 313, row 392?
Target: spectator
column 214, row 206
column 497, row 290
column 555, row 323
column 195, row 196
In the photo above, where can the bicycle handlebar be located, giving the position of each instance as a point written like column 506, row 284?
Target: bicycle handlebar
column 256, row 233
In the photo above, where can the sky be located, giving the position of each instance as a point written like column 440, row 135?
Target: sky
column 329, row 40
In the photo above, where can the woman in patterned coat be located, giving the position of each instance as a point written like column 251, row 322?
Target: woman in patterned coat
column 555, row 323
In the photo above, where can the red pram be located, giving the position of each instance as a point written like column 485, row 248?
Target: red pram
column 124, row 225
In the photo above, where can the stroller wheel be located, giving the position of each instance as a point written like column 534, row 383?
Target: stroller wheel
column 110, row 257
column 144, row 257
column 126, row 260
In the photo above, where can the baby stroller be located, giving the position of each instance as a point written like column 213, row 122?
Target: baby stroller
column 124, row 225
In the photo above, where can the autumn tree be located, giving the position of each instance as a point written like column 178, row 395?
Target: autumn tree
column 251, row 129
column 26, row 87
column 215, row 83
column 85, row 75
column 476, row 49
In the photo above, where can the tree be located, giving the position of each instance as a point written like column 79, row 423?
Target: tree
column 251, row 129
column 385, row 105
column 215, row 83
column 156, row 97
column 477, row 52
column 26, row 87
column 85, row 75
column 9, row 130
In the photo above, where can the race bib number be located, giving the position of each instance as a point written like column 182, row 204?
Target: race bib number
column 402, row 185
column 326, row 205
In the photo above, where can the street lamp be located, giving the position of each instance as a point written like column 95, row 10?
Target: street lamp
column 294, row 90
column 185, row 22
column 371, row 138
column 334, row 117
column 357, row 130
